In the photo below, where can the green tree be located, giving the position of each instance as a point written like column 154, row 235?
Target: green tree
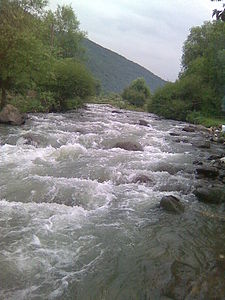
column 219, row 14
column 63, row 32
column 137, row 93
column 23, row 56
column 72, row 80
column 201, row 84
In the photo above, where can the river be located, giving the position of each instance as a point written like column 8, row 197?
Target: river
column 75, row 225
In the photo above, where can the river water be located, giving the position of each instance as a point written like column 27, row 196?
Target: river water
column 74, row 225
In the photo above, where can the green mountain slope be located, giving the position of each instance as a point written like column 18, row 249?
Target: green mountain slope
column 114, row 71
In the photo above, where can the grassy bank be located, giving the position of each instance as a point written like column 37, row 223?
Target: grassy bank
column 197, row 118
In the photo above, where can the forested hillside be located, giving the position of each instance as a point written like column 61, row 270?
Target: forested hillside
column 114, row 71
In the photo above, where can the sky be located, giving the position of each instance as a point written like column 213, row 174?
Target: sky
column 148, row 32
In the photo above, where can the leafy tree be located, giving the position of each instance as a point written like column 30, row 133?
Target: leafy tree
column 220, row 14
column 23, row 56
column 63, row 31
column 201, row 84
column 137, row 93
column 72, row 80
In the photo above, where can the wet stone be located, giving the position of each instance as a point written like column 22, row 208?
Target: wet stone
column 207, row 172
column 10, row 115
column 214, row 195
column 117, row 112
column 142, row 179
column 143, row 123
column 189, row 129
column 205, row 145
column 174, row 134
column 172, row 204
column 129, row 146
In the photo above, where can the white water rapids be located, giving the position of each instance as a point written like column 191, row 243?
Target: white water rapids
column 74, row 225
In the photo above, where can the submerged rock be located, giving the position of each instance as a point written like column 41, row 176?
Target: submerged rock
column 205, row 145
column 129, row 146
column 182, row 276
column 197, row 162
column 207, row 172
column 189, row 129
column 174, row 134
column 143, row 123
column 142, row 179
column 11, row 115
column 172, row 204
column 214, row 195
column 117, row 112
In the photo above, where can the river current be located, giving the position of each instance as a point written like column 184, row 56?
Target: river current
column 74, row 224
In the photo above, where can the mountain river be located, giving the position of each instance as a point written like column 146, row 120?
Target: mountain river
column 76, row 224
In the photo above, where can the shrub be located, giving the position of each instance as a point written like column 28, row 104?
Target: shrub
column 137, row 93
column 72, row 80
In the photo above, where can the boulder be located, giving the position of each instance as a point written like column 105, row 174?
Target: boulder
column 214, row 157
column 11, row 115
column 214, row 195
column 205, row 145
column 129, row 146
column 182, row 276
column 143, row 123
column 207, row 172
column 117, row 112
column 142, row 179
column 174, row 134
column 172, row 204
column 189, row 129
column 197, row 162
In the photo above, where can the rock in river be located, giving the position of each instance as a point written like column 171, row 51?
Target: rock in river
column 171, row 203
column 129, row 146
column 142, row 179
column 214, row 195
column 189, row 129
column 143, row 123
column 207, row 172
column 11, row 115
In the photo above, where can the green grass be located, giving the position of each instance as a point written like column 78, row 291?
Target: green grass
column 198, row 118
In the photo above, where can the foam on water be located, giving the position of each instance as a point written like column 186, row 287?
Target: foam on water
column 75, row 224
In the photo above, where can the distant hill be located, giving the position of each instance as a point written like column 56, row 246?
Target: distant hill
column 114, row 71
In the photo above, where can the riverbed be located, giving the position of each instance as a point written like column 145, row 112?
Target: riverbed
column 76, row 224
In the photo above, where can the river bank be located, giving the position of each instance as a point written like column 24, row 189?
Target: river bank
column 80, row 215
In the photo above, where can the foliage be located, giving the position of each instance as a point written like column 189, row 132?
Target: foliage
column 71, row 80
column 40, row 51
column 170, row 101
column 220, row 14
column 201, row 84
column 137, row 93
column 63, row 33
column 198, row 118
column 23, row 56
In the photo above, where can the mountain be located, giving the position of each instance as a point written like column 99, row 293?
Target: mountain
column 114, row 71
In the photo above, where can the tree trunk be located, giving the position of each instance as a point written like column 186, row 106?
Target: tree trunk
column 3, row 101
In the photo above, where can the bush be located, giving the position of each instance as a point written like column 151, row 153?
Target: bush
column 72, row 81
column 137, row 93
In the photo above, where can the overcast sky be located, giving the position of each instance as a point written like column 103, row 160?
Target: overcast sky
column 149, row 32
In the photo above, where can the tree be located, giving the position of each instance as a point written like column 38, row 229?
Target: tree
column 63, row 31
column 220, row 14
column 23, row 56
column 72, row 80
column 137, row 93
column 201, row 84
